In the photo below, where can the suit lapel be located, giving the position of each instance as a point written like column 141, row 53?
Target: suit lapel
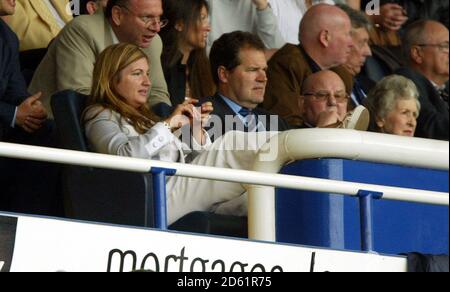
column 45, row 14
column 223, row 110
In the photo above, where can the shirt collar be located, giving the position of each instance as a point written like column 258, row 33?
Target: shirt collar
column 312, row 64
column 438, row 88
column 232, row 104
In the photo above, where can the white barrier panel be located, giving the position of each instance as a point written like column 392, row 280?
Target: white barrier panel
column 344, row 144
column 48, row 245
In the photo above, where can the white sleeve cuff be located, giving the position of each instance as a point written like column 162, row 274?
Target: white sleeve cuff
column 163, row 138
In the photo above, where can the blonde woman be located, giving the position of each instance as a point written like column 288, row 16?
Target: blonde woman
column 394, row 105
column 118, row 122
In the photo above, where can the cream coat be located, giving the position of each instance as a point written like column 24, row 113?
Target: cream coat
column 69, row 62
column 35, row 25
column 109, row 133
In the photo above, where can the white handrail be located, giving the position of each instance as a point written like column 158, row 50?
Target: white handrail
column 339, row 143
column 292, row 145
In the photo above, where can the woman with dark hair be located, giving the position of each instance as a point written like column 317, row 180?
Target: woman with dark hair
column 184, row 59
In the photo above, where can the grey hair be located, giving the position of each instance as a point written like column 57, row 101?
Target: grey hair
column 415, row 34
column 383, row 98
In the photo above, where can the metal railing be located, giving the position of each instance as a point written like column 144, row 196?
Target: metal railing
column 261, row 183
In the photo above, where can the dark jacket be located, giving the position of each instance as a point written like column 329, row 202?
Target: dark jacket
column 421, row 9
column 434, row 115
column 13, row 90
column 362, row 85
column 222, row 110
column 176, row 82
column 287, row 71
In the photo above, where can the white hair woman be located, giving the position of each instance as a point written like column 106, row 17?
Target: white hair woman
column 394, row 106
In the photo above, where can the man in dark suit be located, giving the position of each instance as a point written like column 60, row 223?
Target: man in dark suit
column 17, row 108
column 239, row 69
column 23, row 121
column 359, row 54
column 426, row 45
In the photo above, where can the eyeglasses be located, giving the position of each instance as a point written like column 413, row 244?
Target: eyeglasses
column 323, row 96
column 149, row 21
column 442, row 46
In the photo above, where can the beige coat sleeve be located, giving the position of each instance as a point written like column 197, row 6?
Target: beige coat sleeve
column 34, row 24
column 75, row 56
column 159, row 92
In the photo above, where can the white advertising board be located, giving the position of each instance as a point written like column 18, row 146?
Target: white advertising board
column 49, row 245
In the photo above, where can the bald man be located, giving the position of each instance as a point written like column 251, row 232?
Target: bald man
column 324, row 100
column 326, row 43
column 324, row 104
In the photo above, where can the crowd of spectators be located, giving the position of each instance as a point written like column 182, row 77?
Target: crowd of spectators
column 225, row 70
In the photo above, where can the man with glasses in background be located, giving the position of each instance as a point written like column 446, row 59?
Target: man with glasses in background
column 69, row 62
column 426, row 45
column 324, row 104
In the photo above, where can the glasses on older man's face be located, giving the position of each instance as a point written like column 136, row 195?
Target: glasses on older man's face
column 324, row 96
column 149, row 21
column 443, row 47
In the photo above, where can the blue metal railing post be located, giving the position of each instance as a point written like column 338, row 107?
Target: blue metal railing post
column 159, row 190
column 366, row 218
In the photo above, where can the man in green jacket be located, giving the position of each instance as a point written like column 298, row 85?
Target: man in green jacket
column 69, row 62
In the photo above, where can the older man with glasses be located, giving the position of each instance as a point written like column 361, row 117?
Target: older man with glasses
column 69, row 63
column 324, row 104
column 426, row 45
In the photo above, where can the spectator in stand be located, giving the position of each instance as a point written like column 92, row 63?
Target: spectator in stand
column 18, row 110
column 324, row 102
column 414, row 10
column 254, row 16
column 289, row 14
column 326, row 42
column 24, row 188
column 426, row 45
column 184, row 59
column 70, row 59
column 397, row 14
column 359, row 54
column 239, row 66
column 38, row 22
column 394, row 106
column 119, row 122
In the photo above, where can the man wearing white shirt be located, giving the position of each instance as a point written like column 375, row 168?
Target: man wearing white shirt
column 255, row 16
column 239, row 66
column 289, row 14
